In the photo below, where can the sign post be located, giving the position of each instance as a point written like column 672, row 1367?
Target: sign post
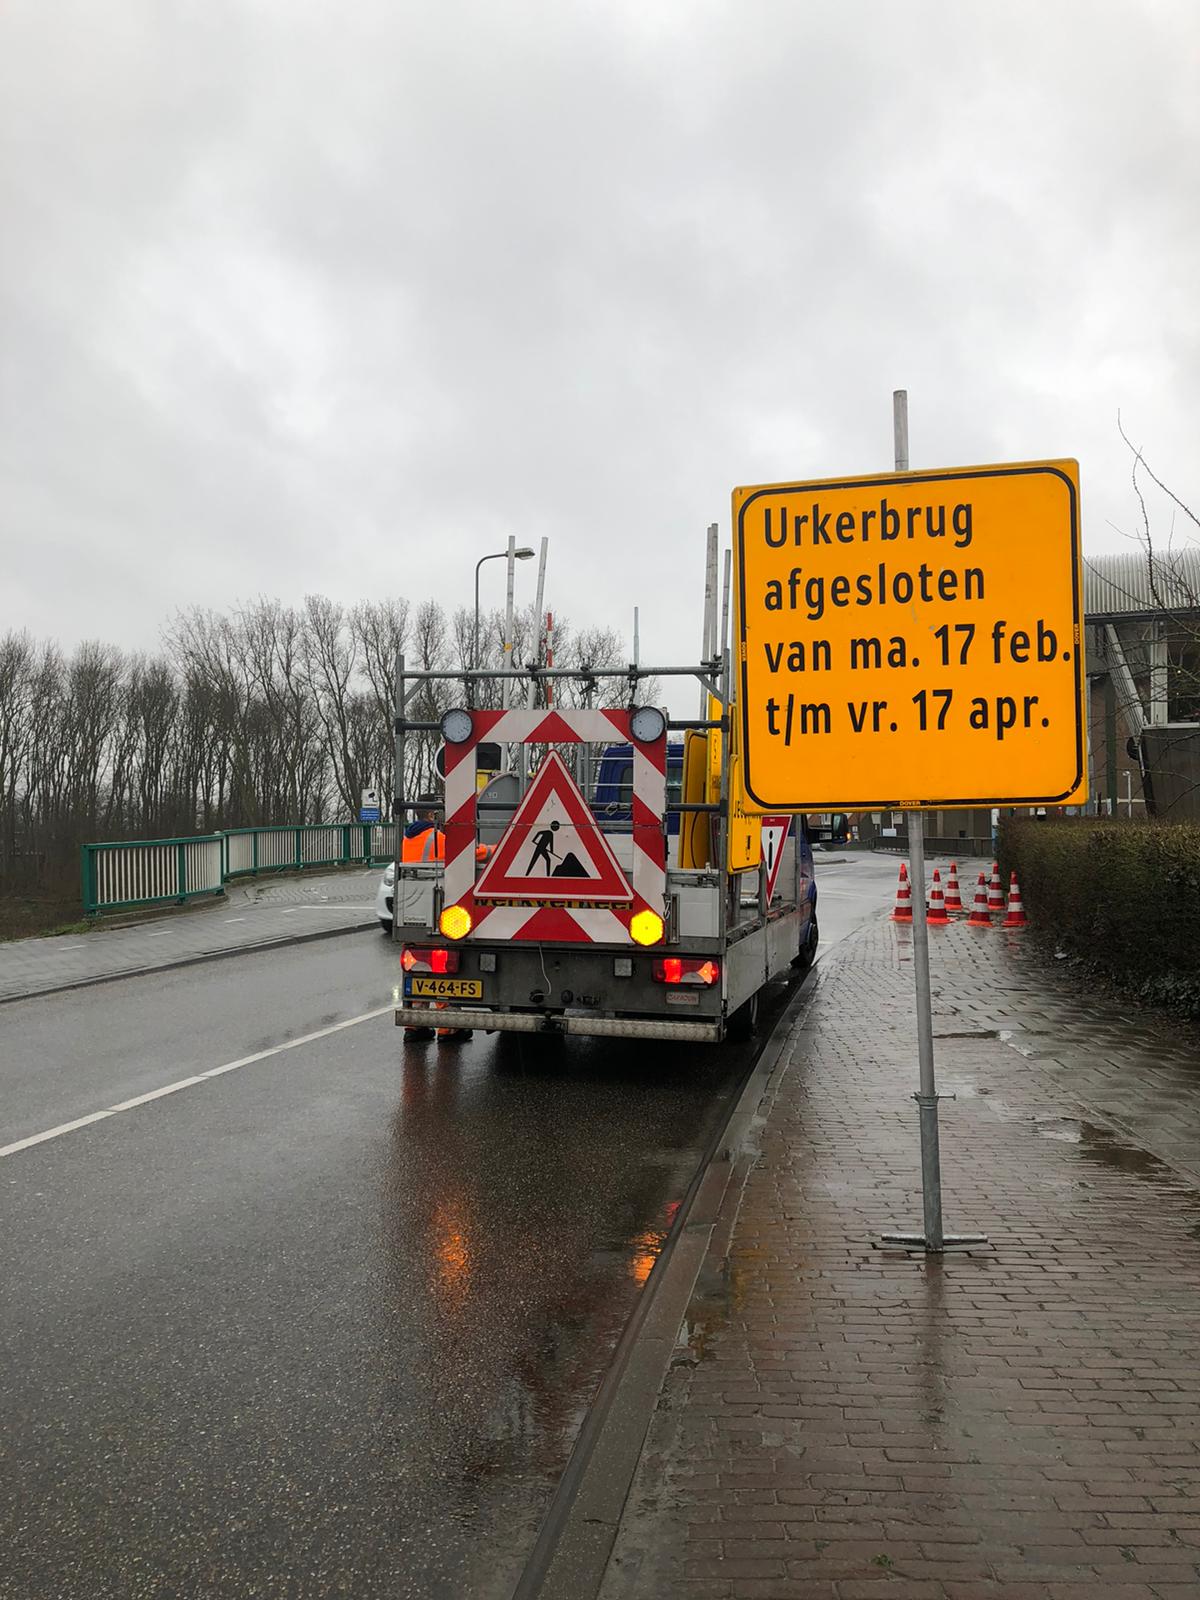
column 933, row 1238
column 912, row 641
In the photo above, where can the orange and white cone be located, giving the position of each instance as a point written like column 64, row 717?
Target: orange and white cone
column 980, row 917
column 995, row 896
column 936, row 915
column 1016, row 911
column 953, row 892
column 902, row 911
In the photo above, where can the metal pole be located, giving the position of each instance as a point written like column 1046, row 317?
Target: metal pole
column 508, row 615
column 531, row 695
column 927, row 1099
column 710, row 608
column 461, row 674
column 537, row 615
column 933, row 1239
column 719, row 836
column 1110, row 742
column 714, row 542
column 398, row 795
column 475, row 644
column 726, row 590
column 900, row 428
column 475, row 635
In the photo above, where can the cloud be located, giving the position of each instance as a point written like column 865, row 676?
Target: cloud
column 298, row 298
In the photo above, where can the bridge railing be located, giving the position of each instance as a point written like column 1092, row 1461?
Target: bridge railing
column 938, row 844
column 133, row 874
column 320, row 844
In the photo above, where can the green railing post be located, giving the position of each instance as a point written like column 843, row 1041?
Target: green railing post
column 90, row 906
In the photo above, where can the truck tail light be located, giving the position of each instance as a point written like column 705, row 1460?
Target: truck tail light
column 679, row 969
column 414, row 959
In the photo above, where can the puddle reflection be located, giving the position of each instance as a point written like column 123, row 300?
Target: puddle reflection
column 525, row 1203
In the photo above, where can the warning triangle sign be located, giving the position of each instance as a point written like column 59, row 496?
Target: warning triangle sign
column 553, row 850
column 774, row 833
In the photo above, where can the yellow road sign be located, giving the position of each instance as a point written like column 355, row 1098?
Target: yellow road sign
column 911, row 639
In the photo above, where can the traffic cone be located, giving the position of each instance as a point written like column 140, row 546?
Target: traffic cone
column 936, row 915
column 903, row 907
column 953, row 892
column 995, row 895
column 980, row 917
column 1016, row 911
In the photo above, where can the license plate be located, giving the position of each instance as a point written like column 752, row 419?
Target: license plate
column 445, row 988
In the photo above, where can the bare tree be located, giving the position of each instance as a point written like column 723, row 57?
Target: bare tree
column 265, row 714
column 1153, row 655
column 381, row 628
column 17, row 665
column 331, row 658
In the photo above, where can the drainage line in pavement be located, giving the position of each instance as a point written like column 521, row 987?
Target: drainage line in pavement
column 187, row 961
column 532, row 1584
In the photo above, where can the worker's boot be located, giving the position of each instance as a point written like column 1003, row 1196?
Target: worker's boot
column 420, row 1030
column 450, row 1033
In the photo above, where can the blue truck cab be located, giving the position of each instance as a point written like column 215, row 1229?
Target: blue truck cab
column 612, row 791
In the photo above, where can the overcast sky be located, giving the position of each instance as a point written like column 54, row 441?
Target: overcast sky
column 303, row 297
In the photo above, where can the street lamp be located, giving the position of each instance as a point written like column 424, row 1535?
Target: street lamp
column 523, row 554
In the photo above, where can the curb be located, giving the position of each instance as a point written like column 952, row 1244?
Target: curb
column 570, row 1556
column 189, row 961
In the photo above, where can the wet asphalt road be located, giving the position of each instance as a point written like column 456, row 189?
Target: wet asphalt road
column 327, row 1323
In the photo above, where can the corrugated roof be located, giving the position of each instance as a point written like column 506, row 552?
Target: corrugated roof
column 1133, row 585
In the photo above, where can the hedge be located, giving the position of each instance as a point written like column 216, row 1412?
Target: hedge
column 1123, row 898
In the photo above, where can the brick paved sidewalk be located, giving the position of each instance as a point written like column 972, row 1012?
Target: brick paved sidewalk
column 843, row 1421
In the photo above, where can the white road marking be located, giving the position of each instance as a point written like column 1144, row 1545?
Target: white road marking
column 157, row 1094
column 55, row 1133
column 341, row 906
column 187, row 1083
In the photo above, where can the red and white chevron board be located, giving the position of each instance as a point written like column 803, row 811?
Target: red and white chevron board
column 555, row 924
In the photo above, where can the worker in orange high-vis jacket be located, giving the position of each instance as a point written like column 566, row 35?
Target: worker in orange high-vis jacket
column 423, row 841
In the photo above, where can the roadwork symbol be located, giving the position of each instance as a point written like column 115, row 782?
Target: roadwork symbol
column 554, row 837
column 569, row 866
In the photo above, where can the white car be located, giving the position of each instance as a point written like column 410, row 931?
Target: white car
column 383, row 898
